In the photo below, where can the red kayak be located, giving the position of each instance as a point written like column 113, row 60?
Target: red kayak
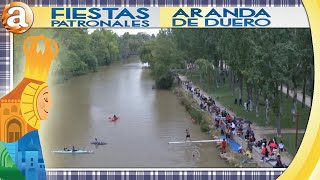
column 114, row 119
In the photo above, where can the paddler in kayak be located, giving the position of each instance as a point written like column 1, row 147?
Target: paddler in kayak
column 114, row 118
column 73, row 149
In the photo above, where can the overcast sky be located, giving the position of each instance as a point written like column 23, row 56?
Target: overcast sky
column 133, row 31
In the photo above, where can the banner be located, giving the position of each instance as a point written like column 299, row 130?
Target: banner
column 169, row 17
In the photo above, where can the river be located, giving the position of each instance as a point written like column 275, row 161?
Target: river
column 149, row 119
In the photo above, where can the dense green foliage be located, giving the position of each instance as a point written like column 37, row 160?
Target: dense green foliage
column 80, row 52
column 163, row 55
column 257, row 63
column 131, row 44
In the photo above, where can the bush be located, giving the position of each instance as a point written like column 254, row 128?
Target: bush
column 188, row 107
column 196, row 114
column 165, row 81
column 183, row 102
column 204, row 126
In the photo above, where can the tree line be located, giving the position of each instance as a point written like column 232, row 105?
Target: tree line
column 260, row 61
column 80, row 50
column 131, row 44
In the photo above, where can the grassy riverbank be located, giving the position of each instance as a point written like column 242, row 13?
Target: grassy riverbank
column 203, row 118
column 223, row 94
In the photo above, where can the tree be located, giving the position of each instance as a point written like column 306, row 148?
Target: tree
column 162, row 55
column 260, row 61
column 203, row 66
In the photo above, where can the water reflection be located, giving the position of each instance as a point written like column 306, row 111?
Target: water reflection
column 149, row 119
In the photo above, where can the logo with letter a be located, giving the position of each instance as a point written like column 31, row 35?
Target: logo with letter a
column 17, row 17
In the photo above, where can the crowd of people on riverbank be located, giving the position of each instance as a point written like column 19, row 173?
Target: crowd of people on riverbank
column 232, row 126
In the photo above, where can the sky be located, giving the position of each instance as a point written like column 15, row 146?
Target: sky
column 133, row 31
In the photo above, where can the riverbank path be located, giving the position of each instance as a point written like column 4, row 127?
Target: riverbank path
column 299, row 96
column 260, row 132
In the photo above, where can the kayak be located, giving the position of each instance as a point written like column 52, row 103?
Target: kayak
column 98, row 143
column 114, row 119
column 72, row 152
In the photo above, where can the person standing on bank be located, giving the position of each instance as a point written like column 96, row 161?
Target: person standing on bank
column 188, row 135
